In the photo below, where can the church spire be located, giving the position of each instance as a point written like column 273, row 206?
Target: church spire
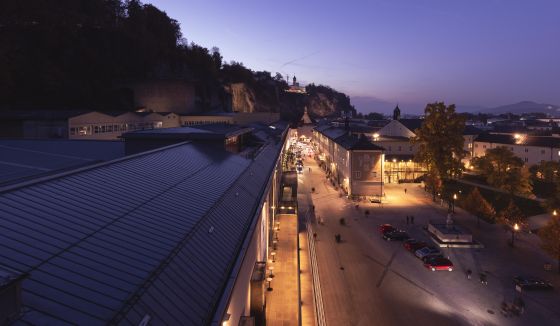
column 397, row 113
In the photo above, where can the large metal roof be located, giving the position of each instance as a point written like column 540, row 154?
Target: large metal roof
column 152, row 236
column 24, row 159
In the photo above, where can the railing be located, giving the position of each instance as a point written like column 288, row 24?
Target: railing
column 317, row 293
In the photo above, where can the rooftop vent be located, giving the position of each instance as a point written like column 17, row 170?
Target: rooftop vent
column 10, row 294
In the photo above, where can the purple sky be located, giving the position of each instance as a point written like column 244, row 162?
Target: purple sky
column 468, row 52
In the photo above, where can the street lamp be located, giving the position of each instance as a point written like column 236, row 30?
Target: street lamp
column 554, row 213
column 454, row 199
column 513, row 230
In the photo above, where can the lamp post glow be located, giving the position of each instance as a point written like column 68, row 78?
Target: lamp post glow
column 454, row 199
column 513, row 230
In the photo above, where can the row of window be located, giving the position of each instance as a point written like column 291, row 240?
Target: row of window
column 399, row 148
column 358, row 175
column 113, row 128
column 543, row 151
column 204, row 122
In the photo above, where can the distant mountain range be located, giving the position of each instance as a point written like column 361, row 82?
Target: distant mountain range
column 367, row 104
column 524, row 107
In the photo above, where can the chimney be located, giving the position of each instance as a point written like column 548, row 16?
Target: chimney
column 10, row 294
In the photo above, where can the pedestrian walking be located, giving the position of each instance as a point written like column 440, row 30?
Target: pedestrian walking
column 469, row 273
column 309, row 169
column 483, row 279
column 405, row 191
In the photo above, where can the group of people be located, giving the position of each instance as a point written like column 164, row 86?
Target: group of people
column 483, row 277
column 409, row 219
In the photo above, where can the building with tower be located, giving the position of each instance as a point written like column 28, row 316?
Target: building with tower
column 296, row 88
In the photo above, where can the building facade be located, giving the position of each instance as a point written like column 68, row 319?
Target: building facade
column 531, row 149
column 353, row 163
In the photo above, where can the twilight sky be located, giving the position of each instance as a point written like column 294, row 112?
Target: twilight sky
column 380, row 52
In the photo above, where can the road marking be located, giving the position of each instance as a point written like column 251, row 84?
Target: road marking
column 374, row 260
column 386, row 268
column 413, row 283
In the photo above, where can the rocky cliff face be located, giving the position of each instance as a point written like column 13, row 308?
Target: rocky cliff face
column 321, row 106
column 321, row 101
column 242, row 98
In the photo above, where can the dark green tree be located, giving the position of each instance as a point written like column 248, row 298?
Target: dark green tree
column 440, row 140
column 550, row 238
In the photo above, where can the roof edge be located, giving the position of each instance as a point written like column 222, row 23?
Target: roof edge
column 28, row 183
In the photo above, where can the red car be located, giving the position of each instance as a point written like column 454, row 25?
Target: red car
column 414, row 245
column 383, row 228
column 439, row 264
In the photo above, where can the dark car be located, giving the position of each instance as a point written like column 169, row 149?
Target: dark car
column 437, row 263
column 412, row 245
column 425, row 259
column 383, row 228
column 532, row 283
column 427, row 251
column 396, row 235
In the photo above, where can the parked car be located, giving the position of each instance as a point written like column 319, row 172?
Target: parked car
column 386, row 228
column 427, row 258
column 532, row 283
column 397, row 235
column 438, row 264
column 412, row 246
column 427, row 251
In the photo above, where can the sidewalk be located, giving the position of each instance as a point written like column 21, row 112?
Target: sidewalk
column 282, row 302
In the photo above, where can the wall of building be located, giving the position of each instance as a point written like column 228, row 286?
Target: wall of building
column 531, row 155
column 396, row 129
column 165, row 96
column 397, row 147
column 43, row 129
column 367, row 177
column 257, row 250
column 100, row 126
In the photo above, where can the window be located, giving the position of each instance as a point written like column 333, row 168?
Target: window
column 526, row 150
column 469, row 145
column 96, row 129
column 483, row 146
column 374, row 174
column 358, row 175
column 72, row 131
column 526, row 160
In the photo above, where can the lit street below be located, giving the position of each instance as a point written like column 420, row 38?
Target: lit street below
column 366, row 280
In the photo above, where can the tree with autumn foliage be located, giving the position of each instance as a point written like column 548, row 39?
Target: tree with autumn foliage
column 550, row 238
column 503, row 170
column 512, row 217
column 441, row 141
column 476, row 204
